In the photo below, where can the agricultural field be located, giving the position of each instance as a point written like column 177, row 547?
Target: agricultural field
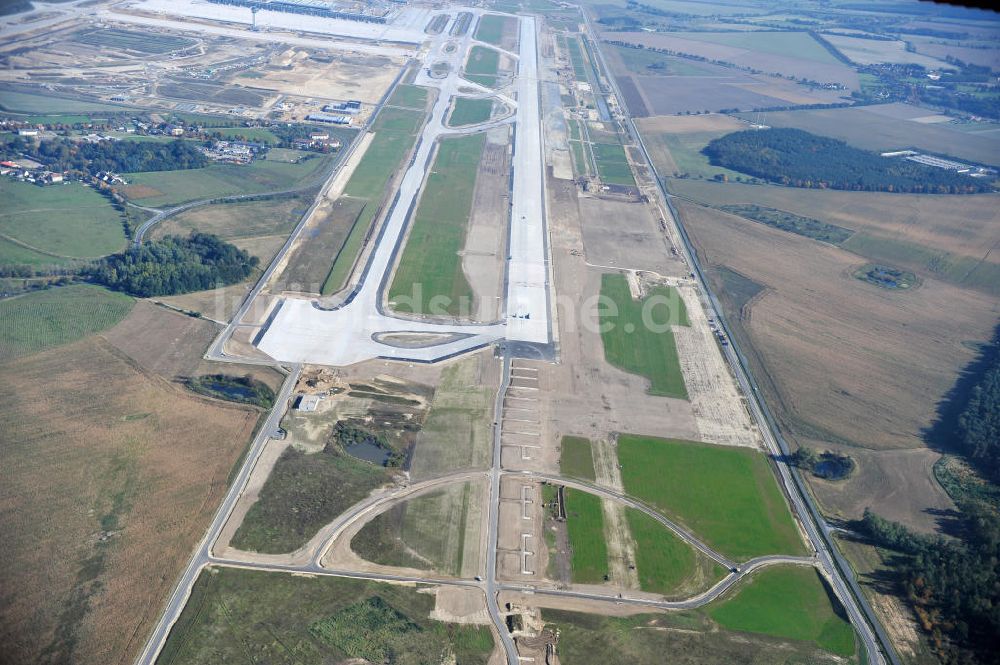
column 890, row 127
column 468, row 111
column 304, row 492
column 56, row 224
column 167, row 188
column 430, row 267
column 788, row 602
column 32, row 103
column 585, row 524
column 437, row 531
column 728, row 496
column 652, row 63
column 909, row 345
column 791, row 54
column 239, row 220
column 395, row 133
column 631, row 346
column 576, row 458
column 675, row 144
column 42, row 320
column 869, row 52
column 114, row 473
column 292, row 619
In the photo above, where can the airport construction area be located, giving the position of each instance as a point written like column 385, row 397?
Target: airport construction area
column 509, row 423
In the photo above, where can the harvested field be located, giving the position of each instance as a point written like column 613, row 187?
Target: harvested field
column 946, row 238
column 297, row 619
column 53, row 225
column 764, row 51
column 842, row 361
column 727, row 496
column 439, row 531
column 891, row 127
column 869, row 52
column 45, row 319
column 107, row 489
column 238, row 220
column 636, row 243
column 972, row 54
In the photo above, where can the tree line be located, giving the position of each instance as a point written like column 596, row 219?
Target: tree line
column 119, row 156
column 979, row 423
column 173, row 265
column 800, row 159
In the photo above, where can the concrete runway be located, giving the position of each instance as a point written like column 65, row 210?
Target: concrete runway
column 301, row 332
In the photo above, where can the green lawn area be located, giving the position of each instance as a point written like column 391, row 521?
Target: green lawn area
column 585, row 524
column 409, row 96
column 791, row 602
column 470, row 111
column 45, row 319
column 167, row 188
column 664, row 561
column 612, row 164
column 632, row 346
column 576, row 58
column 490, row 28
column 395, row 133
column 244, row 616
column 488, row 81
column 430, row 261
column 303, row 493
column 727, row 496
column 798, row 45
column 580, row 162
column 59, row 222
column 25, row 102
column 483, row 61
column 254, row 134
column 685, row 150
column 576, row 459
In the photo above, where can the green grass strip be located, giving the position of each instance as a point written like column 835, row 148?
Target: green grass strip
column 585, row 524
column 577, row 459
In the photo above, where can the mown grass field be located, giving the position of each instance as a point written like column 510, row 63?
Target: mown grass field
column 576, row 458
column 304, row 492
column 167, row 188
column 430, row 267
column 665, row 563
column 395, row 133
column 56, row 223
column 576, row 58
column 789, row 602
column 483, row 60
column 630, row 345
column 470, row 111
column 490, row 29
column 585, row 524
column 46, row 319
column 612, row 164
column 249, row 616
column 726, row 496
column 409, row 96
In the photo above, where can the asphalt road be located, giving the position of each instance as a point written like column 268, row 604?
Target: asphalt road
column 835, row 568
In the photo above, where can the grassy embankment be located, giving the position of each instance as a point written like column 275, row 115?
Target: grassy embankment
column 726, row 496
column 395, row 133
column 236, row 614
column 631, row 346
column 430, row 263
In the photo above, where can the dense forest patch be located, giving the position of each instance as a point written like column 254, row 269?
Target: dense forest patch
column 800, row 159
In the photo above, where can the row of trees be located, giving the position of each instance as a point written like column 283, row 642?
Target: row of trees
column 800, row 159
column 174, row 265
column 979, row 422
column 119, row 156
column 953, row 586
